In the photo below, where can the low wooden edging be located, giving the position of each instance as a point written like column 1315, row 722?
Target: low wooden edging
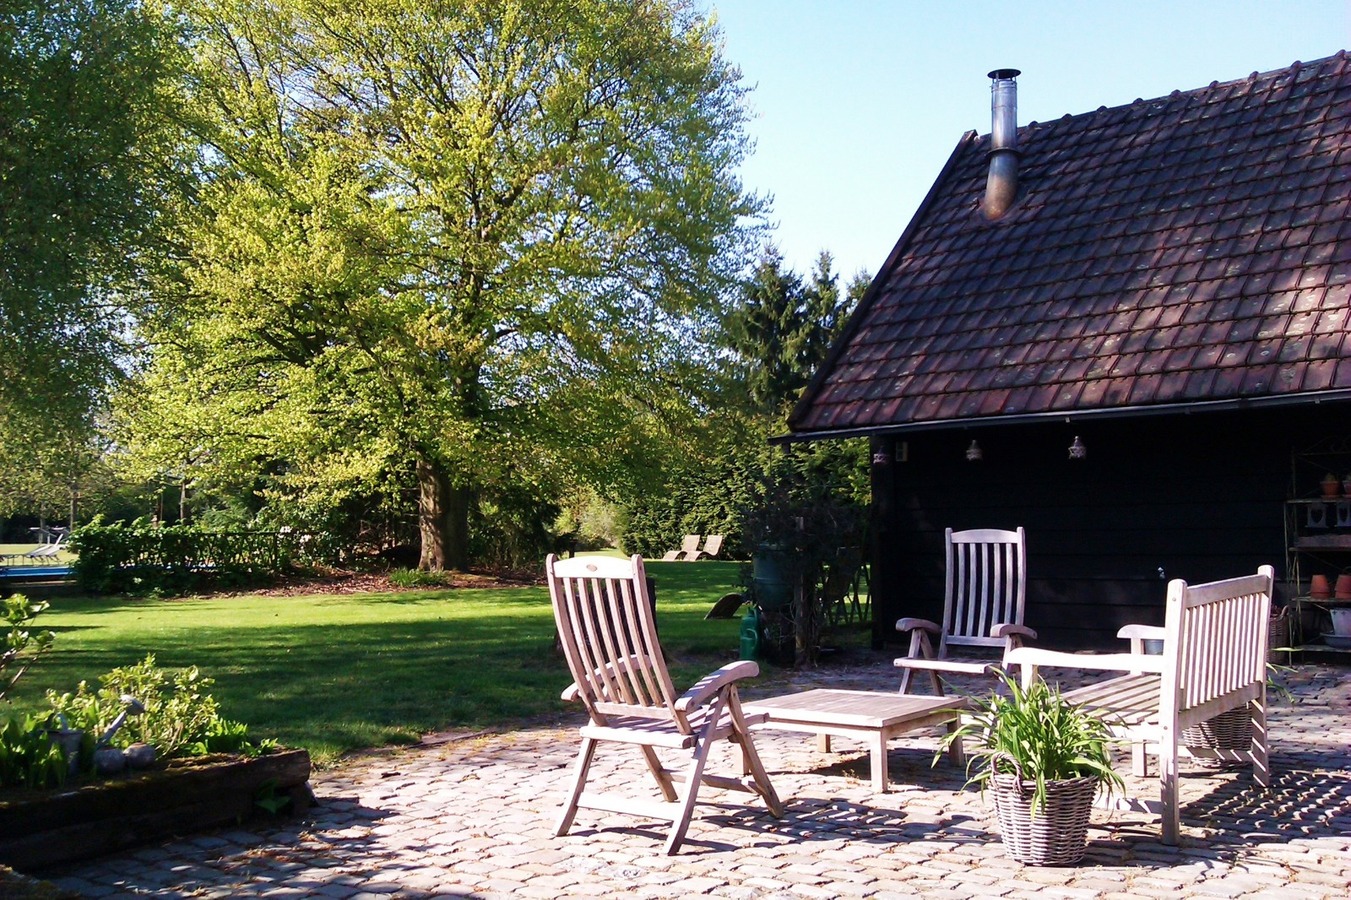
column 43, row 831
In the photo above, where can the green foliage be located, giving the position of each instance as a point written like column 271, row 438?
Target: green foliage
column 22, row 645
column 86, row 113
column 414, row 578
column 226, row 736
column 28, row 758
column 496, row 270
column 1035, row 728
column 783, row 327
column 179, row 715
column 174, row 559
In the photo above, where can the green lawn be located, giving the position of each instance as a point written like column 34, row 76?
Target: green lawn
column 338, row 672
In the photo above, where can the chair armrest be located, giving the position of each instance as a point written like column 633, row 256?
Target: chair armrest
column 1143, row 632
column 1110, row 662
column 1006, row 629
column 572, row 693
column 712, row 683
column 911, row 624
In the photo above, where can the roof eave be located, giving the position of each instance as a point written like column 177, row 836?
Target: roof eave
column 1073, row 415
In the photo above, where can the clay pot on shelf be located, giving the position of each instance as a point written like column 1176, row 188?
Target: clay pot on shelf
column 1319, row 589
column 1332, row 485
column 1342, row 590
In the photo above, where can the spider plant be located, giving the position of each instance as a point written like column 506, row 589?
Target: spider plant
column 1036, row 735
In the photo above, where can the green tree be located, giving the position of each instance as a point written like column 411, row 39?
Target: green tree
column 480, row 242
column 783, row 327
column 84, row 123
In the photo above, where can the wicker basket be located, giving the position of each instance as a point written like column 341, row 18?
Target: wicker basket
column 1058, row 834
column 1230, row 730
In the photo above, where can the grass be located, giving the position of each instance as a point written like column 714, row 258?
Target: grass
column 334, row 673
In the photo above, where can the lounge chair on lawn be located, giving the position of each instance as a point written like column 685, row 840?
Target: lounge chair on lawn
column 689, row 545
column 712, row 547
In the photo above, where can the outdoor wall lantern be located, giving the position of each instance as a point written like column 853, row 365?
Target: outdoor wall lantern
column 1077, row 449
column 974, row 453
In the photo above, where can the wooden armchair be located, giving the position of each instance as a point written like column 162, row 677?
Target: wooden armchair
column 609, row 636
column 984, row 596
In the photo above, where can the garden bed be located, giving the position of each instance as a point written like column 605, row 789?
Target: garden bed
column 39, row 829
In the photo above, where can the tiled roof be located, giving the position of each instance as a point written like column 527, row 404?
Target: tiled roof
column 1189, row 249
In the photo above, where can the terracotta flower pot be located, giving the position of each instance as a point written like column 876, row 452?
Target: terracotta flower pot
column 1319, row 589
column 1343, row 589
column 1332, row 485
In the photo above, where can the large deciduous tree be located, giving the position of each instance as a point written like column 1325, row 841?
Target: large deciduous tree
column 84, row 113
column 472, row 239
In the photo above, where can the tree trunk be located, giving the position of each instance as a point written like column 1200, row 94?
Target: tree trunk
column 443, row 519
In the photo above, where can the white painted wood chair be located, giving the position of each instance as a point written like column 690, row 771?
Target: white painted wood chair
column 609, row 636
column 1214, row 661
column 689, row 545
column 984, row 596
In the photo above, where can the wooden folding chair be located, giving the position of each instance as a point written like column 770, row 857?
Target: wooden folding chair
column 609, row 636
column 984, row 596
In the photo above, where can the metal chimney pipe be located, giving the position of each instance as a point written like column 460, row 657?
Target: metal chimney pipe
column 1001, row 185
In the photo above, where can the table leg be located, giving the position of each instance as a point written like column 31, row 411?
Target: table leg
column 823, row 742
column 878, row 753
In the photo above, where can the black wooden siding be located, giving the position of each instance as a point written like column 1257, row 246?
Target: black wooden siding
column 1200, row 496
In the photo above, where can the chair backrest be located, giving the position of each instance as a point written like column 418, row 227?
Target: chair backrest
column 690, row 543
column 1216, row 644
column 986, row 585
column 608, row 631
column 713, row 545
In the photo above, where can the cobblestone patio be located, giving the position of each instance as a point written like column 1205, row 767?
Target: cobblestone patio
column 472, row 816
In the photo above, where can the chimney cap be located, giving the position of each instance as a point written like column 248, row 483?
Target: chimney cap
column 1001, row 74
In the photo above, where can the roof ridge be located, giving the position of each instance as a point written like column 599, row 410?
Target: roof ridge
column 1251, row 79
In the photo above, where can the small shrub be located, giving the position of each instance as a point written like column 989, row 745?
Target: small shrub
column 28, row 758
column 22, row 645
column 178, row 715
column 412, row 578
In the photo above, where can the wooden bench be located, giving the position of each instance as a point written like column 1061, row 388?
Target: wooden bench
column 1213, row 661
column 868, row 716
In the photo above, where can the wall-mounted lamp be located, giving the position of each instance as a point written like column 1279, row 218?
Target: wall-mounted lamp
column 974, row 453
column 1077, row 449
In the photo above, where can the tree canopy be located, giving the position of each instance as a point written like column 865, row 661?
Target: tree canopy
column 476, row 242
column 84, row 123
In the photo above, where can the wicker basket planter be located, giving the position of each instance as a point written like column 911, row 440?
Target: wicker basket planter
column 1057, row 834
column 1227, row 731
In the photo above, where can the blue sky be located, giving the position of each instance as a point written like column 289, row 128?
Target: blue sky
column 858, row 103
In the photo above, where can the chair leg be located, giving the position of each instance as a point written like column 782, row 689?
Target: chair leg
column 583, row 766
column 681, row 821
column 750, row 758
column 659, row 772
column 1261, row 763
column 1139, row 760
column 905, row 681
column 1168, row 776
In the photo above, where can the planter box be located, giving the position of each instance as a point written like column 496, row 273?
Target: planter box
column 40, row 829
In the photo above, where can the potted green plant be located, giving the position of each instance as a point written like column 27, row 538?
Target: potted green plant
column 1043, row 759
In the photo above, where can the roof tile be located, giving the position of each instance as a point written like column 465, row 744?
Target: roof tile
column 1191, row 248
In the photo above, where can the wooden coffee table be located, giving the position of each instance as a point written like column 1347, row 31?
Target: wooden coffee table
column 868, row 716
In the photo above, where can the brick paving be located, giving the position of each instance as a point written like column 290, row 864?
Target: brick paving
column 472, row 816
